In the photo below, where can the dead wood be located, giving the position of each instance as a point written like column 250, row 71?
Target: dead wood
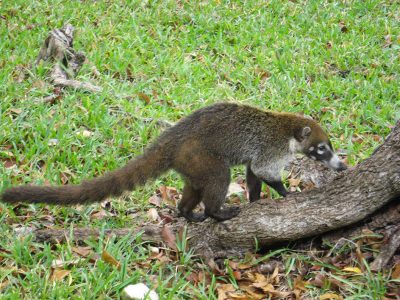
column 387, row 251
column 149, row 233
column 341, row 205
column 58, row 48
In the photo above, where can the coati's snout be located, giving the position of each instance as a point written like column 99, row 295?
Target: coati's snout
column 324, row 153
column 316, row 145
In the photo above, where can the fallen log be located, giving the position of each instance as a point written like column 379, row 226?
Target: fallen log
column 366, row 196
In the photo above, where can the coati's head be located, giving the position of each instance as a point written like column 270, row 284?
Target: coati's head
column 314, row 143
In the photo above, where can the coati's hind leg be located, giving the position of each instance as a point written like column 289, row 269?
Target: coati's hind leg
column 190, row 199
column 253, row 185
column 205, row 173
column 214, row 193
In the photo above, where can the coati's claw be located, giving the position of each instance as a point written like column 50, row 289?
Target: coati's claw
column 194, row 217
column 224, row 214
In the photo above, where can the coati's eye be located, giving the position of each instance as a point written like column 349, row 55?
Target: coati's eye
column 321, row 148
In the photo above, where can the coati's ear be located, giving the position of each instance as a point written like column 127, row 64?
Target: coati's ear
column 303, row 133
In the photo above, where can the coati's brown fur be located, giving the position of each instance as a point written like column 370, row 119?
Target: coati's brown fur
column 201, row 147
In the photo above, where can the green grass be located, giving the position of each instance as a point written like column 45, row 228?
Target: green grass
column 279, row 55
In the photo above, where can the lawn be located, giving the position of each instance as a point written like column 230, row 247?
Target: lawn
column 337, row 61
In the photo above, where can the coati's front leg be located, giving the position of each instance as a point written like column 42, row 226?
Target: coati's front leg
column 253, row 185
column 271, row 175
column 278, row 186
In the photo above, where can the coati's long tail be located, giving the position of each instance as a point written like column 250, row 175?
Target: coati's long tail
column 140, row 169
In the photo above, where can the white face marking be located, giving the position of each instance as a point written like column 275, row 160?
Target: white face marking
column 311, row 149
column 320, row 152
column 334, row 162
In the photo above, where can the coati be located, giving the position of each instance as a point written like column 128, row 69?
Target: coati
column 202, row 147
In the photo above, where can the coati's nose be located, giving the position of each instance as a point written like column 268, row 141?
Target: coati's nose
column 336, row 164
column 341, row 167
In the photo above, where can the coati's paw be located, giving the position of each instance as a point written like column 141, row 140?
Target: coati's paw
column 194, row 217
column 224, row 214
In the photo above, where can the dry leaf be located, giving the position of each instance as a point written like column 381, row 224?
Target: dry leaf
column 299, row 284
column 263, row 74
column 233, row 264
column 223, row 291
column 13, row 270
column 169, row 195
column 82, row 251
column 152, row 214
column 108, row 258
column 193, row 277
column 163, row 191
column 254, row 294
column 155, row 200
column 276, row 293
column 260, row 278
column 144, row 97
column 396, row 271
column 165, row 218
column 331, row 296
column 294, row 184
column 319, row 280
column 238, row 295
column 352, row 270
column 244, row 266
column 4, row 284
column 388, row 41
column 169, row 237
column 15, row 111
column 360, row 257
column 377, row 138
column 64, row 178
column 214, row 267
column 237, row 275
column 99, row 215
column 59, row 274
column 58, row 263
column 274, row 275
column 9, row 162
column 40, row 84
column 297, row 294
column 235, row 188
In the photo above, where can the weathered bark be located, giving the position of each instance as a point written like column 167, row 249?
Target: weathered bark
column 58, row 47
column 366, row 195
